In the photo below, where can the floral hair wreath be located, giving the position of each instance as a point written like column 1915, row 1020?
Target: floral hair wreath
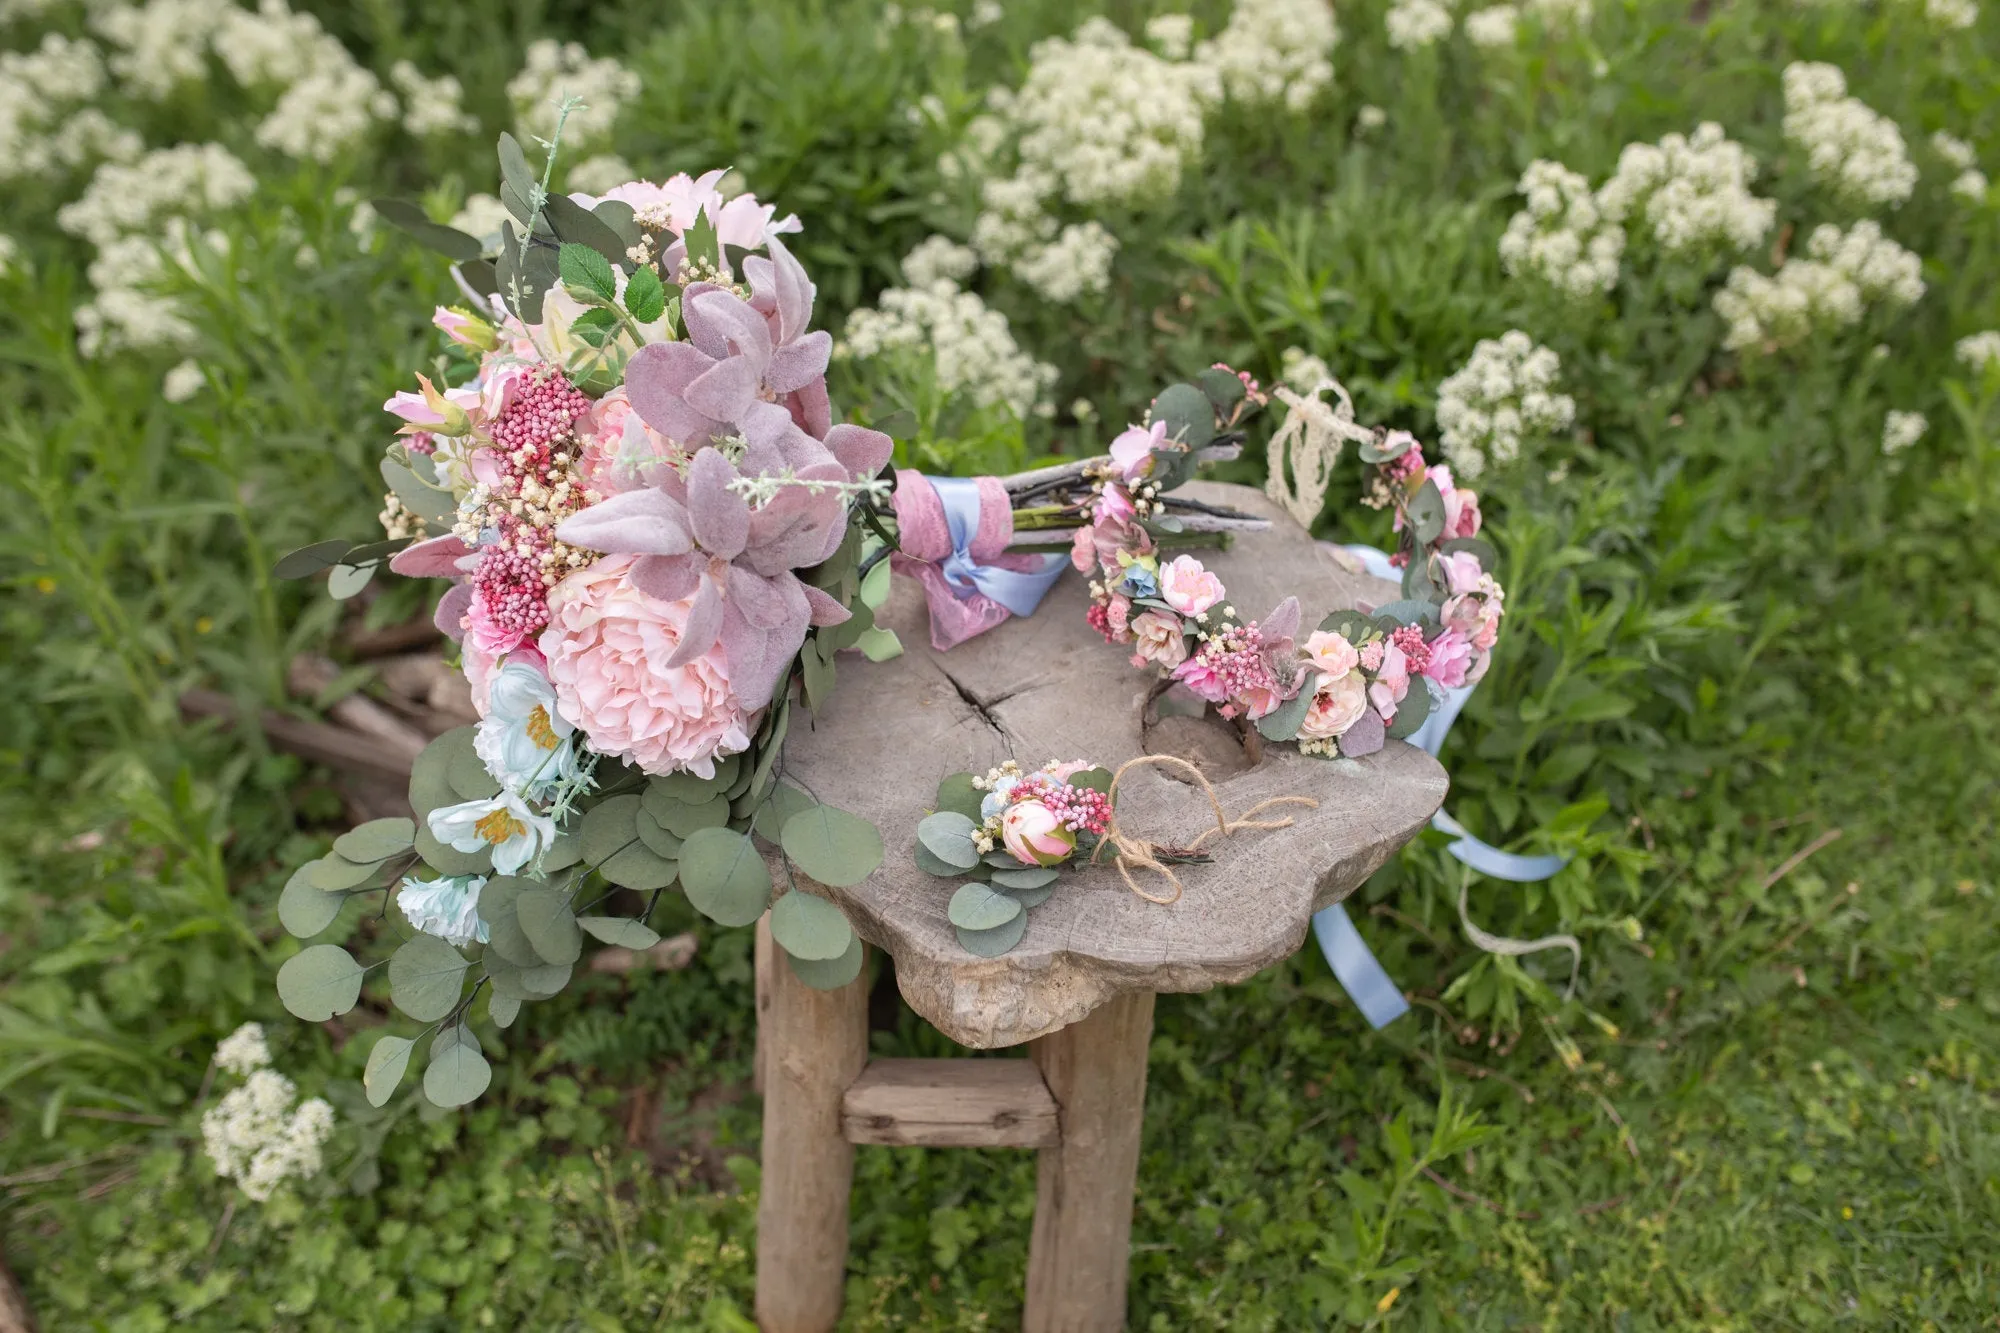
column 1363, row 674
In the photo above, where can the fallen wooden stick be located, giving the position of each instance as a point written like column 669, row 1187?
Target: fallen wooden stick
column 333, row 746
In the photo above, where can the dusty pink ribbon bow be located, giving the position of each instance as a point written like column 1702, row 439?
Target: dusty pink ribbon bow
column 941, row 560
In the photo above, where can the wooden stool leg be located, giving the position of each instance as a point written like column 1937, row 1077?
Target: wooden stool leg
column 813, row 1045
column 1083, row 1196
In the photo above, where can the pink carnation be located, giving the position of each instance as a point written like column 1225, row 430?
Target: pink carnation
column 1118, row 615
column 607, row 644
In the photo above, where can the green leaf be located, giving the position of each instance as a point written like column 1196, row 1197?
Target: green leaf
column 448, row 860
column 319, row 982
column 549, row 924
column 345, row 581
column 430, row 775
column 1411, row 712
column 620, row 930
column 1351, row 625
column 1093, row 779
column 685, row 820
column 304, row 908
column 503, row 1009
column 388, row 1058
column 947, row 835
column 515, row 171
column 656, row 839
column 899, row 425
column 1029, row 877
column 621, row 219
column 977, row 907
column 574, row 224
column 875, row 585
column 784, row 801
column 423, row 500
column 639, row 867
column 561, row 854
column 833, row 846
column 377, row 840
column 1189, row 415
column 609, row 828
column 1403, row 612
column 992, row 943
column 776, row 724
column 880, row 645
column 931, row 864
column 829, row 973
column 818, row 674
column 458, row 1073
column 1282, row 723
column 700, row 238
column 425, row 977
column 724, row 876
column 1224, row 390
column 957, row 793
column 645, row 295
column 310, row 560
column 481, row 276
column 503, row 925
column 1391, row 447
column 1426, row 513
column 408, row 218
column 808, row 926
column 1034, row 897
column 335, row 873
column 586, row 273
column 468, row 772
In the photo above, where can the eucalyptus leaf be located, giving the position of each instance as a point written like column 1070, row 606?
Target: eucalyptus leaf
column 503, row 1009
column 448, row 860
column 1224, row 389
column 875, row 585
column 309, row 560
column 639, row 867
column 549, row 924
column 609, row 827
column 1404, row 612
column 947, row 835
column 415, row 223
column 976, row 907
column 1411, row 712
column 931, row 864
column 377, row 840
column 458, row 1073
column 1028, row 877
column 319, row 982
column 833, row 846
column 1426, row 513
column 1095, row 779
column 1391, row 447
column 388, row 1059
column 344, row 581
column 817, row 674
column 957, row 793
column 829, row 973
column 621, row 218
column 426, row 976
column 304, row 908
column 514, row 168
column 505, row 937
column 430, row 775
column 620, row 930
column 784, row 801
column 564, row 852
column 425, row 501
column 1282, row 723
column 656, row 839
column 992, row 943
column 1188, row 414
column 807, row 926
column 1034, row 897
column 573, row 224
column 687, row 819
column 724, row 876
column 335, row 873
column 468, row 773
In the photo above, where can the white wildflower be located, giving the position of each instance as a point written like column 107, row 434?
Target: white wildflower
column 601, row 173
column 986, row 13
column 971, row 347
column 1413, row 24
column 243, row 1050
column 1013, row 216
column 183, row 382
column 1172, row 35
column 1562, row 236
column 1971, row 186
column 481, row 216
column 1505, row 392
column 556, row 71
column 1842, row 275
column 1077, row 263
column 1561, row 13
column 1273, row 51
column 1955, row 151
column 1848, row 146
column 939, row 259
column 1370, row 118
column 161, row 44
column 1951, row 15
column 1900, row 430
column 1980, row 352
column 1693, row 191
column 255, row 1136
column 327, row 112
column 37, row 91
column 432, row 103
column 122, row 199
column 1493, row 26
column 273, row 47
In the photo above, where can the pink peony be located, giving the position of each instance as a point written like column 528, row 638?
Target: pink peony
column 1335, row 707
column 607, row 645
column 1034, row 835
column 1461, row 507
column 1331, row 653
column 1392, row 682
column 1462, row 572
column 1188, row 587
column 1132, row 451
column 1156, row 637
column 1204, row 677
column 1450, row 656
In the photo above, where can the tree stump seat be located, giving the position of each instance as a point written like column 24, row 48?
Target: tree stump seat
column 1078, row 989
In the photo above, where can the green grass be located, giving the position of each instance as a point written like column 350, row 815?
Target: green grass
column 1734, row 629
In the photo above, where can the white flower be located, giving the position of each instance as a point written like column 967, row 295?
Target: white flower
column 1951, row 15
column 969, row 347
column 1493, row 26
column 481, row 216
column 1370, row 118
column 1970, row 186
column 123, row 199
column 1172, row 35
column 556, row 71
column 254, row 1136
column 1273, row 51
column 243, row 1050
column 526, row 745
column 1900, row 430
column 1848, row 146
column 38, row 90
column 183, row 382
column 1980, row 352
column 986, row 13
column 600, row 174
column 447, row 908
column 1076, row 263
column 514, row 831
column 1955, row 151
column 1694, row 192
column 161, row 44
column 1842, row 275
column 939, row 259
column 1504, row 392
column 1562, row 236
column 1414, row 24
column 431, row 104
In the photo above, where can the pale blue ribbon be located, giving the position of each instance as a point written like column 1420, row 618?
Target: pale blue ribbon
column 1365, row 980
column 1020, row 592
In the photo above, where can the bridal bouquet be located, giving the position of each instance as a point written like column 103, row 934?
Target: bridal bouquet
column 653, row 530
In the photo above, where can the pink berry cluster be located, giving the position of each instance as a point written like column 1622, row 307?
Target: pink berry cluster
column 1078, row 809
column 1416, row 652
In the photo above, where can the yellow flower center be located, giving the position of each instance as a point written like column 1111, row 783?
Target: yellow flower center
column 499, row 826
column 539, row 729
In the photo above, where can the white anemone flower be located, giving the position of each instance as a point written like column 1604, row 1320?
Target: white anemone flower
column 506, row 823
column 525, row 743
column 447, row 908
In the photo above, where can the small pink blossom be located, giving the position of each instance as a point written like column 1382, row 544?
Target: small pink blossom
column 1392, row 682
column 1113, row 507
column 1118, row 615
column 1034, row 835
column 1157, row 638
column 1204, row 678
column 1083, row 550
column 1371, row 656
column 1475, row 617
column 1259, row 701
column 1461, row 507
column 1336, row 704
column 1450, row 657
column 1132, row 451
column 1462, row 572
column 1331, row 653
column 1188, row 587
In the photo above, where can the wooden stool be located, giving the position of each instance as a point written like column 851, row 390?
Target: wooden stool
column 1078, row 989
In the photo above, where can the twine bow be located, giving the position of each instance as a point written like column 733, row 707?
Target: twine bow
column 1138, row 854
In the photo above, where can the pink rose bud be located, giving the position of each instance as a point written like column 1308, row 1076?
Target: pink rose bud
column 1033, row 835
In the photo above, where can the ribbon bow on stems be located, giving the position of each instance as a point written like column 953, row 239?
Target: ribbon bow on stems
column 953, row 533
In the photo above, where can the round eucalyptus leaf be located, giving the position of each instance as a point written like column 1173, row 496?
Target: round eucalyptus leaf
column 1002, row 860
column 931, row 864
column 310, row 560
column 425, row 977
column 539, row 983
column 388, row 1058
column 497, row 902
column 832, row 846
column 334, row 873
column 1028, row 877
column 656, row 839
column 377, row 840
column 430, row 778
column 563, row 853
column 304, row 908
column 448, row 860
column 1034, row 897
column 1426, row 512
column 1411, row 712
column 686, row 819
column 345, row 581
column 549, row 924
column 1189, row 414
column 688, row 788
column 458, row 1073
column 724, row 876
column 947, row 835
column 468, row 774
column 1094, row 779
column 829, row 973
column 503, row 1009
column 639, row 867
column 957, row 793
column 808, row 926
column 976, row 907
column 784, row 801
column 319, row 982
column 992, row 943
column 609, row 828
column 620, row 930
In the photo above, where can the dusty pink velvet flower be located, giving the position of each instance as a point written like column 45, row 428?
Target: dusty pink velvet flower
column 1157, row 638
column 1031, row 831
column 607, row 648
column 1335, row 706
column 1187, row 586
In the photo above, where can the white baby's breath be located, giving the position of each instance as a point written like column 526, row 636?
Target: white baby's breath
column 1692, row 192
column 971, row 347
column 161, row 44
column 1273, row 51
column 1172, row 35
column 1562, row 236
column 1506, row 391
column 939, row 258
column 256, row 1137
column 1077, row 263
column 1843, row 274
column 243, row 1050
